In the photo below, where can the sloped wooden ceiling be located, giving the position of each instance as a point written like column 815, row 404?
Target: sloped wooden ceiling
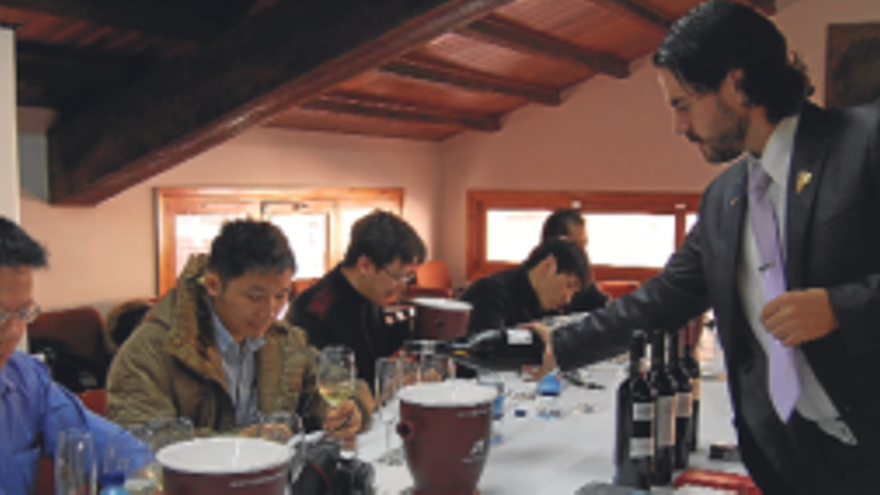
column 143, row 85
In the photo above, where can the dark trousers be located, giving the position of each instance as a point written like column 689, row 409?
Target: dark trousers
column 820, row 464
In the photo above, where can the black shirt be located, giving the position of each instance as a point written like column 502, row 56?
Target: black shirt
column 582, row 301
column 332, row 312
column 502, row 300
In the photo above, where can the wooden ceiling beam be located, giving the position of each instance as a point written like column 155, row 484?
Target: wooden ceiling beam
column 641, row 11
column 366, row 106
column 282, row 56
column 38, row 61
column 437, row 71
column 171, row 19
column 500, row 31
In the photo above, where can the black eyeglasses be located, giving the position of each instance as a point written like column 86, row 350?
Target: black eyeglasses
column 28, row 314
column 403, row 279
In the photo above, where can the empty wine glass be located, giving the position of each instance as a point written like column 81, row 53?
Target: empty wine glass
column 129, row 462
column 75, row 463
column 389, row 381
column 280, row 426
column 434, row 367
column 165, row 431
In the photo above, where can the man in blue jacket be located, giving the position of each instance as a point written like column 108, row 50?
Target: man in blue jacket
column 33, row 408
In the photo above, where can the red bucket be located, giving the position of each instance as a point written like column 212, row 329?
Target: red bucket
column 446, row 429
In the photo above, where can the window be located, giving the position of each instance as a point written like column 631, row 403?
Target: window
column 316, row 221
column 631, row 235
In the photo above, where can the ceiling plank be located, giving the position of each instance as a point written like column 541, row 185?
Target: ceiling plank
column 504, row 32
column 434, row 70
column 42, row 61
column 281, row 56
column 768, row 7
column 641, row 11
column 394, row 110
column 171, row 19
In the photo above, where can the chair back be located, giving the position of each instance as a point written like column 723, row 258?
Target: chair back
column 95, row 400
column 434, row 274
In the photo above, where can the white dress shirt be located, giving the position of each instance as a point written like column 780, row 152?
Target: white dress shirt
column 813, row 403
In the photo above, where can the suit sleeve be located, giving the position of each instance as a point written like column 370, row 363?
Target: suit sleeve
column 666, row 301
column 856, row 304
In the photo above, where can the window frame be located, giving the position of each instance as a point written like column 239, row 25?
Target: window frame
column 479, row 202
column 255, row 203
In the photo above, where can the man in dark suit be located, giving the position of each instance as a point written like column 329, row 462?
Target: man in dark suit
column 802, row 355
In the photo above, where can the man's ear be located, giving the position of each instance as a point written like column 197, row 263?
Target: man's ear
column 547, row 266
column 364, row 265
column 733, row 84
column 213, row 284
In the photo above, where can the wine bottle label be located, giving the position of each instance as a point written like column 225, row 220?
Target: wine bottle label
column 519, row 337
column 641, row 447
column 643, row 411
column 685, row 405
column 665, row 421
column 697, row 386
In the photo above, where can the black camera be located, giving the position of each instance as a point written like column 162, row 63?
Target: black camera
column 323, row 471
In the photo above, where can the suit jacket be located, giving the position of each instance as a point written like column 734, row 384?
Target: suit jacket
column 833, row 242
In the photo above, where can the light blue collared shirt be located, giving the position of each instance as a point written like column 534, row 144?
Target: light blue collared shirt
column 33, row 411
column 240, row 367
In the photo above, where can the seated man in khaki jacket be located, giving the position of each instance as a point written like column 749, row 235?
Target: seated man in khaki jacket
column 212, row 350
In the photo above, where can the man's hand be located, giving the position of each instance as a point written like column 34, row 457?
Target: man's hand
column 548, row 362
column 799, row 316
column 343, row 422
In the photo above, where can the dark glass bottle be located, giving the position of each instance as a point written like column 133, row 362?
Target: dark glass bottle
column 498, row 350
column 664, row 411
column 689, row 361
column 634, row 447
column 683, row 399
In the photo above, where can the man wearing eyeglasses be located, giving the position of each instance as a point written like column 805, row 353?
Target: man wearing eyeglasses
column 345, row 306
column 33, row 408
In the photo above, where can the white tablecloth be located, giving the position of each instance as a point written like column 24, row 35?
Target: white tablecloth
column 556, row 457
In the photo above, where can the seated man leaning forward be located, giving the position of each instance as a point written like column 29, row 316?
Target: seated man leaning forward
column 554, row 271
column 344, row 307
column 212, row 351
column 34, row 410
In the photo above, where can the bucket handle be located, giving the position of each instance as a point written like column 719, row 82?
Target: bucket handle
column 406, row 430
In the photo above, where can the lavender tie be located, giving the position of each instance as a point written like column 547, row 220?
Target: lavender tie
column 785, row 386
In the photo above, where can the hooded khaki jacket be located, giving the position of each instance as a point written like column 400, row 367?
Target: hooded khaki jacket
column 171, row 366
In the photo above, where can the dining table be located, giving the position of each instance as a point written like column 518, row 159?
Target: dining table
column 563, row 455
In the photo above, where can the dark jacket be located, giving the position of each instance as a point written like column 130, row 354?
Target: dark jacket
column 584, row 301
column 332, row 312
column 502, row 300
column 833, row 241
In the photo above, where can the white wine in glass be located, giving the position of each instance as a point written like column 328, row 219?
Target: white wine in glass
column 336, row 374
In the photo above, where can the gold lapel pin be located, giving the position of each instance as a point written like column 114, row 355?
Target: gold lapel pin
column 734, row 200
column 803, row 178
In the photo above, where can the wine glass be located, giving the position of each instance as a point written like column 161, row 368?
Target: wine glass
column 336, row 374
column 389, row 382
column 280, row 426
column 129, row 462
column 434, row 367
column 336, row 379
column 75, row 463
column 165, row 431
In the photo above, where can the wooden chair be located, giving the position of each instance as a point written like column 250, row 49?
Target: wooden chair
column 82, row 329
column 434, row 274
column 617, row 288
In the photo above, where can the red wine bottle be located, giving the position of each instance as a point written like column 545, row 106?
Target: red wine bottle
column 634, row 448
column 497, row 350
column 684, row 401
column 664, row 411
column 692, row 334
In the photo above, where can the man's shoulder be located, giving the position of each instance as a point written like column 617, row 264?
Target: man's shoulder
column 494, row 285
column 24, row 368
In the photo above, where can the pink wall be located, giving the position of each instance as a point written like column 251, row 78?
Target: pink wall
column 610, row 135
column 106, row 254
